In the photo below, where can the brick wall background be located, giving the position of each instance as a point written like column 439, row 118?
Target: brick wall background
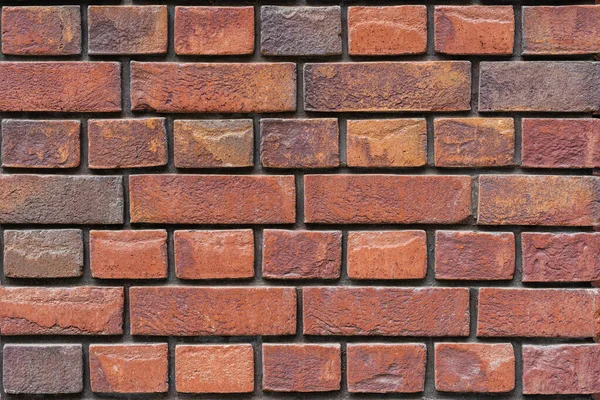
column 338, row 201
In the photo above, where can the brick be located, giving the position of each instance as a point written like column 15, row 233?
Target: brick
column 474, row 29
column 40, row 144
column 301, row 367
column 561, row 86
column 301, row 31
column 226, row 254
column 83, row 310
column 387, row 143
column 212, row 311
column 212, row 199
column 215, row 368
column 214, row 30
column 386, row 368
column 129, row 368
column 42, row 368
column 561, row 257
column 565, row 313
column 53, row 253
column 61, row 199
column 402, row 199
column 464, row 255
column 569, row 29
column 299, row 143
column 60, row 86
column 387, row 255
column 388, row 86
column 386, row 31
column 301, row 254
column 385, row 311
column 474, row 142
column 539, row 200
column 561, row 369
column 213, row 143
column 560, row 143
column 127, row 29
column 474, row 367
column 212, row 87
column 128, row 254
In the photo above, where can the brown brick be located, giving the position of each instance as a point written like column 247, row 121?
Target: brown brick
column 474, row 367
column 301, row 254
column 60, row 86
column 61, row 199
column 560, row 143
column 385, row 311
column 127, row 29
column 301, row 367
column 388, row 86
column 212, row 311
column 214, row 254
column 387, row 143
column 129, row 368
column 215, row 368
column 42, row 368
column 226, row 87
column 387, row 255
column 537, row 312
column 53, row 253
column 212, row 199
column 299, row 143
column 213, row 143
column 83, row 310
column 128, row 254
column 386, row 368
column 539, row 200
column 474, row 142
column 386, row 31
column 214, row 30
column 474, row 29
column 373, row 199
column 40, row 144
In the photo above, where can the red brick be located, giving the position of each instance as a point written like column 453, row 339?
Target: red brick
column 386, row 368
column 301, row 254
column 214, row 254
column 301, row 367
column 566, row 313
column 212, row 87
column 387, row 143
column 402, row 199
column 474, row 29
column 212, row 311
column 299, row 143
column 474, row 142
column 384, row 31
column 83, row 310
column 60, row 86
column 539, row 200
column 214, row 30
column 561, row 257
column 385, row 311
column 560, row 143
column 467, row 255
column 387, row 255
column 474, row 367
column 127, row 29
column 388, row 86
column 215, row 368
column 129, row 368
column 128, row 254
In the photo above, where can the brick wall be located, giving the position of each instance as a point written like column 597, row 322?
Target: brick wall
column 259, row 197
